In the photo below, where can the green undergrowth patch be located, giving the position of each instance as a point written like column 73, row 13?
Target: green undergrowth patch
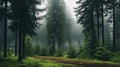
column 9, row 62
column 97, row 61
column 30, row 62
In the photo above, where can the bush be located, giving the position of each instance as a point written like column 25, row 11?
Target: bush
column 71, row 52
column 116, row 57
column 102, row 53
column 44, row 51
column 51, row 51
column 82, row 54
column 10, row 53
column 28, row 46
column 37, row 49
column 58, row 53
column 1, row 53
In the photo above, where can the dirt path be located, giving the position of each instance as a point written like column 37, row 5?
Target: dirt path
column 77, row 62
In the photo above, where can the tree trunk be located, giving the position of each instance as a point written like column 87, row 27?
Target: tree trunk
column 24, row 45
column 102, row 13
column 98, row 30
column 114, row 36
column 16, row 42
column 5, row 30
column 20, row 56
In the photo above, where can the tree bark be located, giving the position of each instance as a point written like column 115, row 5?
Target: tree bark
column 16, row 42
column 20, row 56
column 114, row 33
column 5, row 30
column 24, row 45
column 98, row 27
column 102, row 13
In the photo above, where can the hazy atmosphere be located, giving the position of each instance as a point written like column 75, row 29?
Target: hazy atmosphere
column 59, row 33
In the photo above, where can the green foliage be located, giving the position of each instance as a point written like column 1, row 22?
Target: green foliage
column 116, row 57
column 44, row 51
column 82, row 53
column 89, row 45
column 1, row 53
column 28, row 46
column 56, row 18
column 51, row 50
column 30, row 62
column 71, row 52
column 37, row 49
column 58, row 53
column 10, row 53
column 102, row 53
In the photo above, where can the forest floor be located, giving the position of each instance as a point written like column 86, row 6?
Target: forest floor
column 80, row 63
column 47, row 61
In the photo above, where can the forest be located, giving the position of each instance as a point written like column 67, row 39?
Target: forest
column 59, row 33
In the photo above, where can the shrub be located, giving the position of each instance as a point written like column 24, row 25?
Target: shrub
column 58, row 53
column 116, row 57
column 102, row 53
column 1, row 53
column 71, row 52
column 82, row 54
column 28, row 46
column 51, row 51
column 37, row 49
column 43, row 51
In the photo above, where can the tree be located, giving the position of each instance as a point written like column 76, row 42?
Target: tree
column 5, row 29
column 24, row 20
column 114, row 25
column 55, row 21
column 28, row 46
column 111, row 5
column 1, row 23
column 102, row 12
column 85, row 14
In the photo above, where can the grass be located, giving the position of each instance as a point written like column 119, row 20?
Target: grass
column 97, row 61
column 30, row 62
column 80, row 62
column 8, row 62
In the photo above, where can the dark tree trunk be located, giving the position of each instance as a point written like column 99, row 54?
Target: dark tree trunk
column 5, row 30
column 20, row 56
column 93, row 25
column 24, row 45
column 21, row 31
column 93, row 40
column 114, row 36
column 102, row 13
column 1, row 35
column 53, row 45
column 98, row 27
column 16, row 42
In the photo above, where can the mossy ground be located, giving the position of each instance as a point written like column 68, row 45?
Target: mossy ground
column 30, row 62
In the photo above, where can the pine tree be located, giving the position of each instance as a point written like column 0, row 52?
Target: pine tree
column 24, row 20
column 55, row 21
column 85, row 14
column 5, row 29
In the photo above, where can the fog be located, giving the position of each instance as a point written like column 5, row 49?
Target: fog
column 73, row 35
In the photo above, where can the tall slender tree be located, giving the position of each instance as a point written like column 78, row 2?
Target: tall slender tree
column 85, row 13
column 114, row 25
column 102, row 13
column 5, row 30
column 24, row 20
column 55, row 21
column 1, row 23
